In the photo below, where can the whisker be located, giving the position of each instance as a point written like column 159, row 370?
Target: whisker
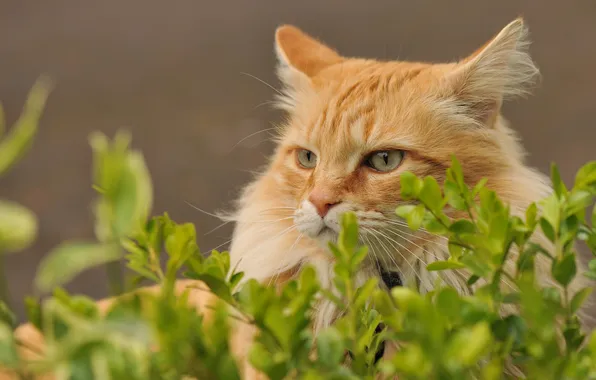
column 371, row 248
column 201, row 210
column 404, row 247
column 219, row 246
column 265, row 225
column 278, row 208
column 421, row 229
column 262, row 81
column 278, row 213
column 420, row 237
column 398, row 233
column 264, row 104
column 414, row 271
column 269, row 221
column 218, row 227
column 251, row 135
column 248, row 222
column 459, row 271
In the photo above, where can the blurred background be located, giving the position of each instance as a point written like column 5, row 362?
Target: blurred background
column 171, row 72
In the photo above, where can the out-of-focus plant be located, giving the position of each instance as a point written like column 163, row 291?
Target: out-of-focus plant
column 18, row 225
column 440, row 335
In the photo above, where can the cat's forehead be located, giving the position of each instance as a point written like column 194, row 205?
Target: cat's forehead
column 362, row 106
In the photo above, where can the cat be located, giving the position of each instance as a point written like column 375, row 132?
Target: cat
column 353, row 126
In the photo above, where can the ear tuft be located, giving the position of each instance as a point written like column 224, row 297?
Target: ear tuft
column 502, row 68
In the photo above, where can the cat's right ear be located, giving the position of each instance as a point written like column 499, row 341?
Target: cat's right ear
column 300, row 57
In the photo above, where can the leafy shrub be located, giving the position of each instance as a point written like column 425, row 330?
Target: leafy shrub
column 441, row 335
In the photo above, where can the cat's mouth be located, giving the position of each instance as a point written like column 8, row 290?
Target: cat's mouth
column 326, row 235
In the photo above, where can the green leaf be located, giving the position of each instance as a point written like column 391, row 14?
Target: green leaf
column 472, row 280
column 478, row 267
column 69, row 259
column 454, row 198
column 264, row 361
column 551, row 212
column 410, row 186
column 383, row 304
column 18, row 227
column 578, row 201
column 330, row 348
column 217, row 286
column 8, row 351
column 430, row 194
column 124, row 186
column 364, row 293
column 7, row 317
column 20, row 137
column 444, row 265
column 564, row 269
column 359, row 256
column 448, row 303
column 235, row 279
column 468, row 345
column 512, row 328
column 586, row 176
column 579, row 298
column 462, row 226
column 457, row 172
column 547, row 228
column 558, row 184
column 415, row 217
column 455, row 250
column 511, row 298
column 479, row 186
column 33, row 311
column 406, row 298
column 531, row 213
column 404, row 210
column 348, row 236
column 592, row 265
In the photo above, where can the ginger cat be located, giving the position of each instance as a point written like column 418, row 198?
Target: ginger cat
column 354, row 125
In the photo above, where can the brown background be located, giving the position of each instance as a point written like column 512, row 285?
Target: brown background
column 170, row 71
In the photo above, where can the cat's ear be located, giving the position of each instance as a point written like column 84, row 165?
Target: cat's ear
column 301, row 52
column 500, row 69
column 300, row 58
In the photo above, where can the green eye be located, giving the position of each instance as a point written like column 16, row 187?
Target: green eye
column 385, row 160
column 307, row 159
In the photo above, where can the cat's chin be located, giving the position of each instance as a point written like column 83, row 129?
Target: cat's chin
column 326, row 236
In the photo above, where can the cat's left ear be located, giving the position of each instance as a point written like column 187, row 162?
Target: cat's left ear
column 301, row 52
column 301, row 57
column 500, row 69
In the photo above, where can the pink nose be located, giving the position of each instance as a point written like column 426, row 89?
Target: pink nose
column 323, row 201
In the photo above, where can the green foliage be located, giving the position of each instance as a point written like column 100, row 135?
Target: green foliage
column 18, row 225
column 504, row 317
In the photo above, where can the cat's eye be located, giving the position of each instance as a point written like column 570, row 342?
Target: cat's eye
column 384, row 160
column 306, row 158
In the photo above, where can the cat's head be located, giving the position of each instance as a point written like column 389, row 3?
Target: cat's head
column 354, row 125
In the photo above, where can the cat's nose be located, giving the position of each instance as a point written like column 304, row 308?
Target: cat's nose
column 323, row 201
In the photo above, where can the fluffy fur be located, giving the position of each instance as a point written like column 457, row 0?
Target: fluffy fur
column 342, row 109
